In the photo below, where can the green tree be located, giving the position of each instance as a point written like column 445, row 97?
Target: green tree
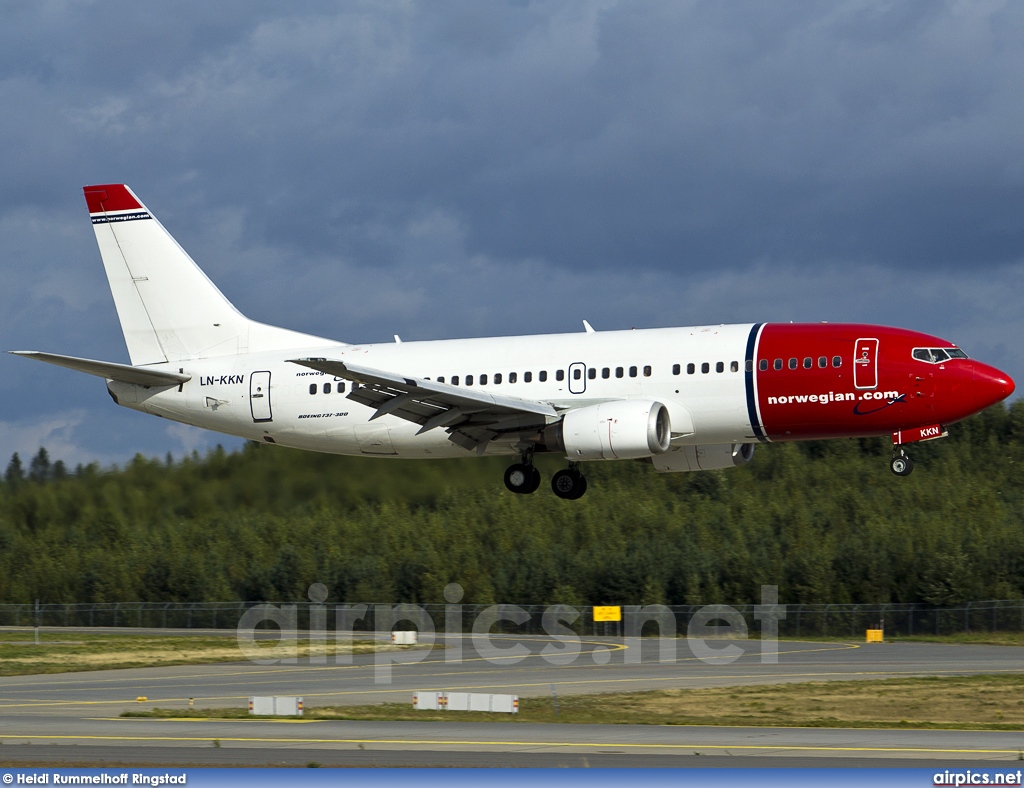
column 15, row 473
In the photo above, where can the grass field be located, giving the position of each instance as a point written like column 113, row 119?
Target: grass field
column 61, row 652
column 968, row 703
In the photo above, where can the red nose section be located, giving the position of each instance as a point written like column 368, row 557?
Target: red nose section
column 990, row 385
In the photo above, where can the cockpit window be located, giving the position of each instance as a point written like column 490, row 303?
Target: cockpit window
column 936, row 355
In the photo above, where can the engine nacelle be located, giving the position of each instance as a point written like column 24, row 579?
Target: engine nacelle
column 704, row 458
column 619, row 430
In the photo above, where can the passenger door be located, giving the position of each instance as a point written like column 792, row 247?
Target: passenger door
column 259, row 396
column 865, row 364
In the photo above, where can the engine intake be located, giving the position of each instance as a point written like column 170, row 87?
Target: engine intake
column 619, row 430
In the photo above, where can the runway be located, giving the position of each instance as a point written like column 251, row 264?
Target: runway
column 512, row 743
column 59, row 717
column 601, row 666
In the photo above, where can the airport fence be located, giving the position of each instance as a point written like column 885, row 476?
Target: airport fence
column 809, row 620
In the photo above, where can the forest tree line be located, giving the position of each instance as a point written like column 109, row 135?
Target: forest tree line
column 825, row 521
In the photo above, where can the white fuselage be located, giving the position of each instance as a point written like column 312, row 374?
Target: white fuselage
column 307, row 410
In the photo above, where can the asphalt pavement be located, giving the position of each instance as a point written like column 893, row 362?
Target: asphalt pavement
column 73, row 717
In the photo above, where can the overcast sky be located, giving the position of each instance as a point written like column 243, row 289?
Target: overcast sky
column 467, row 169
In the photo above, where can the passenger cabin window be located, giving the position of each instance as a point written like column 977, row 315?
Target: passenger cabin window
column 837, row 361
column 542, row 376
column 341, row 387
column 483, row 380
column 577, row 374
column 606, row 373
column 560, row 375
column 527, row 377
column 469, row 380
column 735, row 366
column 763, row 364
column 778, row 363
column 632, row 372
column 619, row 372
column 497, row 378
column 792, row 363
column 455, row 380
column 512, row 377
column 440, row 378
column 592, row 373
column 720, row 366
column 822, row 362
column 312, row 388
column 676, row 369
column 705, row 368
column 647, row 371
column 691, row 368
column 327, row 388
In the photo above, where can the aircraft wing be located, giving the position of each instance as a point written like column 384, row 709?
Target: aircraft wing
column 125, row 373
column 471, row 416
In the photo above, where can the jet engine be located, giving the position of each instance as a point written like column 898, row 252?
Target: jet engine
column 618, row 430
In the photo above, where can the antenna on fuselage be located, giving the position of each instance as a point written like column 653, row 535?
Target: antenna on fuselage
column 588, row 328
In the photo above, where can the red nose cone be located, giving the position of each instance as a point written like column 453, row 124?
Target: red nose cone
column 990, row 385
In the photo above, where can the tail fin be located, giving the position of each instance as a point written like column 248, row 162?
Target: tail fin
column 169, row 310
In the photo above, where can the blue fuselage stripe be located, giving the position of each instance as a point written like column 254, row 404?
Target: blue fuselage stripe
column 751, row 370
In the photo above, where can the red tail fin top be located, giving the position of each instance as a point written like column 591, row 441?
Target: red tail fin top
column 110, row 197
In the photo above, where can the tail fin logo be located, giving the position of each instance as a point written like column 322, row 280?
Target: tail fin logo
column 120, row 217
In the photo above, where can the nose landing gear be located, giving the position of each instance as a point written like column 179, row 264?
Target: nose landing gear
column 569, row 484
column 901, row 464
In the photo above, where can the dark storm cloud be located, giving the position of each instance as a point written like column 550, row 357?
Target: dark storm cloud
column 471, row 168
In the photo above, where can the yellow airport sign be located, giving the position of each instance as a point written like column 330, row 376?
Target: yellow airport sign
column 608, row 613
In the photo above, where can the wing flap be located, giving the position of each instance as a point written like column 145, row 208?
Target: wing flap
column 472, row 417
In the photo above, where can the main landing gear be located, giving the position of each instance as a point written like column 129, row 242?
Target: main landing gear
column 523, row 478
column 901, row 464
column 569, row 484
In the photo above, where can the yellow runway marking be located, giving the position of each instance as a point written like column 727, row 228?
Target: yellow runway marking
column 309, row 668
column 524, row 743
column 201, row 719
column 513, row 684
column 406, row 690
column 370, row 667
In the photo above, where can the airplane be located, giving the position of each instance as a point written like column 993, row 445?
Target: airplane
column 682, row 399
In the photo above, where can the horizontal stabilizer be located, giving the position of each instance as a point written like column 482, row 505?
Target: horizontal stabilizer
column 107, row 369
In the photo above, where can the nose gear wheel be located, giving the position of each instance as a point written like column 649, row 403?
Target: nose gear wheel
column 901, row 464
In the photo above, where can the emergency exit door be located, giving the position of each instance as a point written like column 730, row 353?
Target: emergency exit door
column 865, row 364
column 259, row 396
